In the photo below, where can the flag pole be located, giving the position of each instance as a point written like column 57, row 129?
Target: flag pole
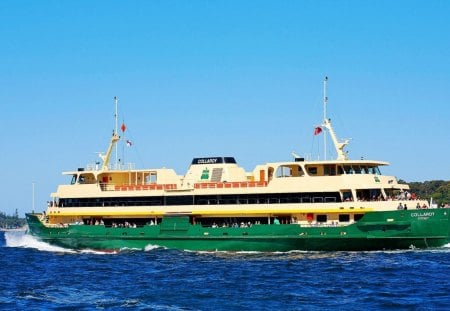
column 123, row 141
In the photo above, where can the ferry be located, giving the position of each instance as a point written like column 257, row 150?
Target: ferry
column 300, row 204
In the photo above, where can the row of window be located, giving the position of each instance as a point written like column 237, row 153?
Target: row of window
column 265, row 198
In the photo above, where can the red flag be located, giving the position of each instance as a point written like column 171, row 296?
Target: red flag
column 317, row 130
column 123, row 127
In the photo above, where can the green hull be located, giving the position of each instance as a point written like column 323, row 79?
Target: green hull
column 375, row 231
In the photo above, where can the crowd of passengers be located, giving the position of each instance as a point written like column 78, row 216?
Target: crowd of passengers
column 125, row 224
column 405, row 206
column 248, row 224
column 402, row 196
column 235, row 225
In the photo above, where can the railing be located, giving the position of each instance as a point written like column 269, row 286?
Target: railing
column 118, row 166
column 109, row 187
column 205, row 185
column 237, row 184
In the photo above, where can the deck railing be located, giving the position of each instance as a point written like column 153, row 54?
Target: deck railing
column 204, row 185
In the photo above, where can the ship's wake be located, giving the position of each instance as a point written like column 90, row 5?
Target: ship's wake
column 23, row 240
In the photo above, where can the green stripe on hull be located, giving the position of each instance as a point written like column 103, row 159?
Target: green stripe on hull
column 375, row 231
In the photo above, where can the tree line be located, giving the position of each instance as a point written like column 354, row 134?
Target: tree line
column 439, row 190
column 11, row 222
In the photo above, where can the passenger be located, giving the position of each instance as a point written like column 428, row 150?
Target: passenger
column 424, row 206
column 400, row 206
column 276, row 221
column 405, row 207
column 418, row 205
column 408, row 195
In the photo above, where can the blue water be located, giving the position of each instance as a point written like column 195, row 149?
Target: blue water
column 35, row 275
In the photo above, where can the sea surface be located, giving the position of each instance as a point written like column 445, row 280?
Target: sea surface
column 38, row 276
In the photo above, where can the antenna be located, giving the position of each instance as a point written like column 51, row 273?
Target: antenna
column 325, row 99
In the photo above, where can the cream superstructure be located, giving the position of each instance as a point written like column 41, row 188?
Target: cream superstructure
column 219, row 187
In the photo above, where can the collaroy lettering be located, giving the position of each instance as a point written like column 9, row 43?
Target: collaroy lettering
column 214, row 160
column 422, row 215
column 208, row 161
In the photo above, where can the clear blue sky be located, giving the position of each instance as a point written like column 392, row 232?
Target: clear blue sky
column 207, row 78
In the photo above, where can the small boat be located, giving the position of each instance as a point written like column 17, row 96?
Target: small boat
column 300, row 204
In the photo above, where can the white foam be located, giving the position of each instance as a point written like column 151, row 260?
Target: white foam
column 97, row 252
column 151, row 247
column 21, row 239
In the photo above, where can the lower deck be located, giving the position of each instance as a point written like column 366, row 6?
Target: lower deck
column 375, row 230
column 321, row 219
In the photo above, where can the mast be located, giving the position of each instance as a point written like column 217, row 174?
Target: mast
column 114, row 139
column 339, row 146
column 116, row 130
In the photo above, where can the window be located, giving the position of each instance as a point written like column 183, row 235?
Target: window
column 348, row 169
column 150, row 179
column 306, row 200
column 329, row 170
column 321, row 218
column 344, row 218
column 289, row 171
column 312, row 170
column 283, row 171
